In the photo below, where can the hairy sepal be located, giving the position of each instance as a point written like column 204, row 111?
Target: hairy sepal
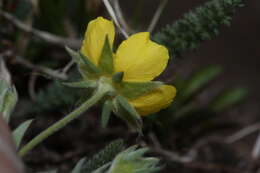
column 127, row 112
column 106, row 63
column 86, row 67
column 132, row 90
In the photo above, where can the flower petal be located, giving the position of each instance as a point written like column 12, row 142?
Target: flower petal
column 95, row 38
column 140, row 59
column 154, row 101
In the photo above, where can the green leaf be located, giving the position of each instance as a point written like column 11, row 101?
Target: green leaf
column 103, row 157
column 133, row 161
column 101, row 169
column 86, row 67
column 106, row 63
column 19, row 132
column 128, row 113
column 81, row 84
column 199, row 80
column 200, row 24
column 118, row 77
column 78, row 167
column 228, row 98
column 106, row 112
column 133, row 90
column 3, row 94
column 8, row 99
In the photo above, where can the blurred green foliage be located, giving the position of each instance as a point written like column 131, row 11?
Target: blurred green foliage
column 187, row 113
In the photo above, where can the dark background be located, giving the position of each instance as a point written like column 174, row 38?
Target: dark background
column 236, row 49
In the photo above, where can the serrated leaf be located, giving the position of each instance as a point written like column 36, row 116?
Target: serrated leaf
column 106, row 112
column 106, row 63
column 19, row 132
column 128, row 113
column 133, row 90
column 228, row 98
column 81, row 84
column 78, row 167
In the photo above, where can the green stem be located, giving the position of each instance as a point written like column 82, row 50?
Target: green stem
column 63, row 122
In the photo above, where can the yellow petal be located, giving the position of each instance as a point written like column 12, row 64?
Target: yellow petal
column 140, row 58
column 95, row 38
column 154, row 101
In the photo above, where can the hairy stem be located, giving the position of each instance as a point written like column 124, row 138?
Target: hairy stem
column 63, row 122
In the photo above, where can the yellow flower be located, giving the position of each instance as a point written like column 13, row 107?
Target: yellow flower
column 139, row 58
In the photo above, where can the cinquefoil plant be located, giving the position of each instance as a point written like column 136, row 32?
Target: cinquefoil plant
column 121, row 80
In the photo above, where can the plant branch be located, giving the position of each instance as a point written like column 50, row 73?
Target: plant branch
column 243, row 132
column 172, row 156
column 157, row 15
column 68, row 67
column 114, row 17
column 256, row 149
column 45, row 36
column 120, row 16
column 19, row 60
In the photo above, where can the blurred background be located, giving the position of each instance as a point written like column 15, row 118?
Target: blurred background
column 213, row 124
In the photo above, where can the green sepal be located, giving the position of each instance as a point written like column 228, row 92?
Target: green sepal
column 127, row 112
column 87, row 68
column 118, row 77
column 106, row 112
column 106, row 63
column 133, row 90
column 81, row 84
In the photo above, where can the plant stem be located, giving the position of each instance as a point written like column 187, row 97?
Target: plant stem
column 63, row 122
